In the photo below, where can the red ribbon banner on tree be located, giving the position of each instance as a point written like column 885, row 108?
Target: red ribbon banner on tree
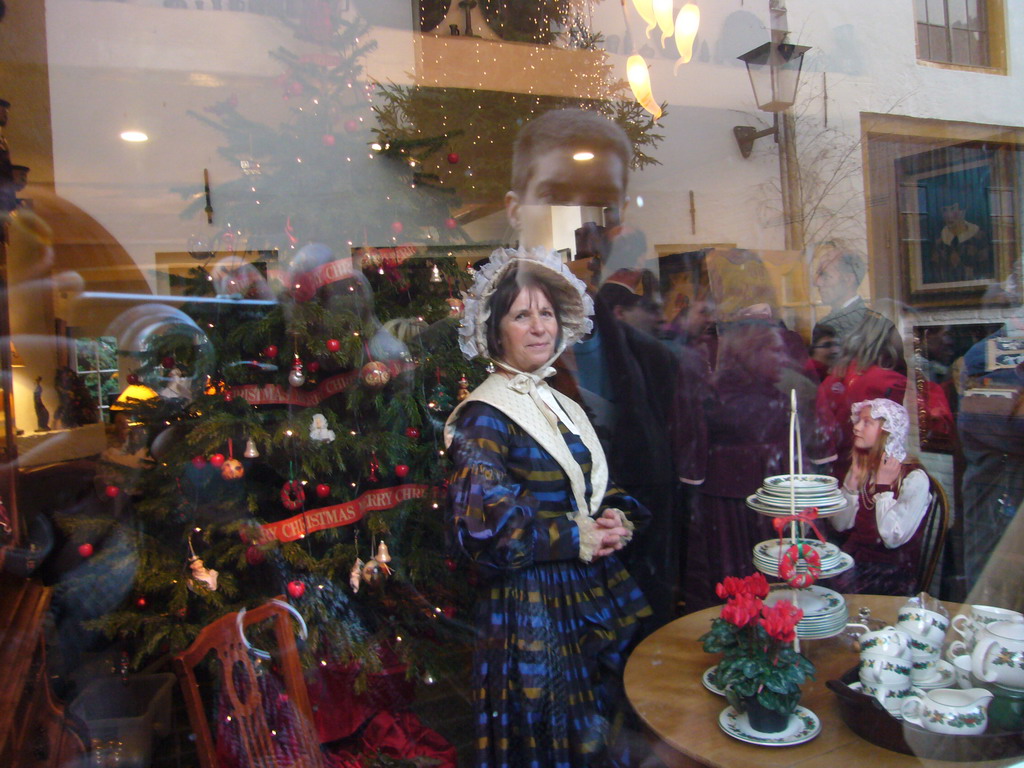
column 325, row 274
column 275, row 394
column 343, row 514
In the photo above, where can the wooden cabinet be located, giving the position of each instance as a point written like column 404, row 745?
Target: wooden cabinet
column 35, row 732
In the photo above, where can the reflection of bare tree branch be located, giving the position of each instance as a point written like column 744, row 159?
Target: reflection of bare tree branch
column 829, row 173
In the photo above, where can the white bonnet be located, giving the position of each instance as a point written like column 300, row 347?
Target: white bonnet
column 897, row 423
column 575, row 305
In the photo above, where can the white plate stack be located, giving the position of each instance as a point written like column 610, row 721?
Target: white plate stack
column 779, row 494
column 825, row 613
column 768, row 554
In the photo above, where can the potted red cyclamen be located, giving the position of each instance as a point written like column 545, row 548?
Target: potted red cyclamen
column 760, row 671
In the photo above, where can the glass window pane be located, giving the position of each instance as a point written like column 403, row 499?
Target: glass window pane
column 975, row 14
column 961, row 39
column 937, row 12
column 923, row 48
column 938, row 44
column 957, row 13
column 980, row 56
column 921, row 11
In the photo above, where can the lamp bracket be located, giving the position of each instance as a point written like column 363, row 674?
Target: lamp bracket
column 746, row 136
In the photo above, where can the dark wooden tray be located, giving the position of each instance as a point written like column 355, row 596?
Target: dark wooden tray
column 866, row 717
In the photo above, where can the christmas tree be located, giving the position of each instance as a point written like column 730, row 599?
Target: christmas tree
column 296, row 445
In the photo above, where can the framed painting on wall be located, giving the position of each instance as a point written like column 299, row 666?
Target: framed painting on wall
column 958, row 223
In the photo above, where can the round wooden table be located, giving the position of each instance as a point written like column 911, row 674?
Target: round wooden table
column 663, row 683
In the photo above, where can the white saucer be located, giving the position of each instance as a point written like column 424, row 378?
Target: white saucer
column 781, row 511
column 803, row 726
column 945, row 676
column 708, row 678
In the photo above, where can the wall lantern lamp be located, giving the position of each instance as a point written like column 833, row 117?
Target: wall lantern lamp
column 774, row 70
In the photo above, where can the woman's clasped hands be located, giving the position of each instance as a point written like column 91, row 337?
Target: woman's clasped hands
column 614, row 535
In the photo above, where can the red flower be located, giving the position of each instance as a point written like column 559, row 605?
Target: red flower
column 742, row 610
column 780, row 620
column 757, row 585
column 731, row 586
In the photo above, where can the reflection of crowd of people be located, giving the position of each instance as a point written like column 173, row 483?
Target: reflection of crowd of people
column 622, row 483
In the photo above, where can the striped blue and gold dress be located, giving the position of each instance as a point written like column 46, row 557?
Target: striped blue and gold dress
column 552, row 629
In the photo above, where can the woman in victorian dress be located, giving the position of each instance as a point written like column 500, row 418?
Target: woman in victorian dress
column 530, row 509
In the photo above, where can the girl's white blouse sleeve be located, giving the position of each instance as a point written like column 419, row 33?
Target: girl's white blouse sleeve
column 896, row 519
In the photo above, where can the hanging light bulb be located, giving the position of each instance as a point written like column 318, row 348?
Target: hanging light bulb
column 646, row 10
column 640, row 82
column 687, row 23
column 250, row 449
column 435, row 274
column 663, row 15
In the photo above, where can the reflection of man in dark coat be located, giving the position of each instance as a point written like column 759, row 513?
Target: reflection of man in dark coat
column 838, row 278
column 630, row 383
column 991, row 428
column 648, row 413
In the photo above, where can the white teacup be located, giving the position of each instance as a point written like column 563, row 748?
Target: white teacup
column 921, row 645
column 887, row 641
column 949, row 710
column 962, row 669
column 890, row 696
column 924, row 669
column 890, row 670
column 920, row 621
column 998, row 656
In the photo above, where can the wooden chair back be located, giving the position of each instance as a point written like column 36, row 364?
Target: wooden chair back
column 936, row 524
column 240, row 693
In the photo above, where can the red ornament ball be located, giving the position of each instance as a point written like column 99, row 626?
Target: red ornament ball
column 333, row 345
column 351, row 126
column 313, row 366
column 228, row 395
column 111, row 491
column 401, row 470
column 451, row 223
column 141, row 602
column 198, row 462
column 168, row 362
column 217, row 460
column 133, row 378
column 270, row 351
column 85, row 550
column 254, row 555
column 397, row 227
column 323, row 490
column 412, row 433
column 375, row 374
column 296, row 589
column 327, row 139
column 450, row 564
column 453, row 158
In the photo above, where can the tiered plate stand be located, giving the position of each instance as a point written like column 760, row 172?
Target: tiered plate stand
column 787, row 496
